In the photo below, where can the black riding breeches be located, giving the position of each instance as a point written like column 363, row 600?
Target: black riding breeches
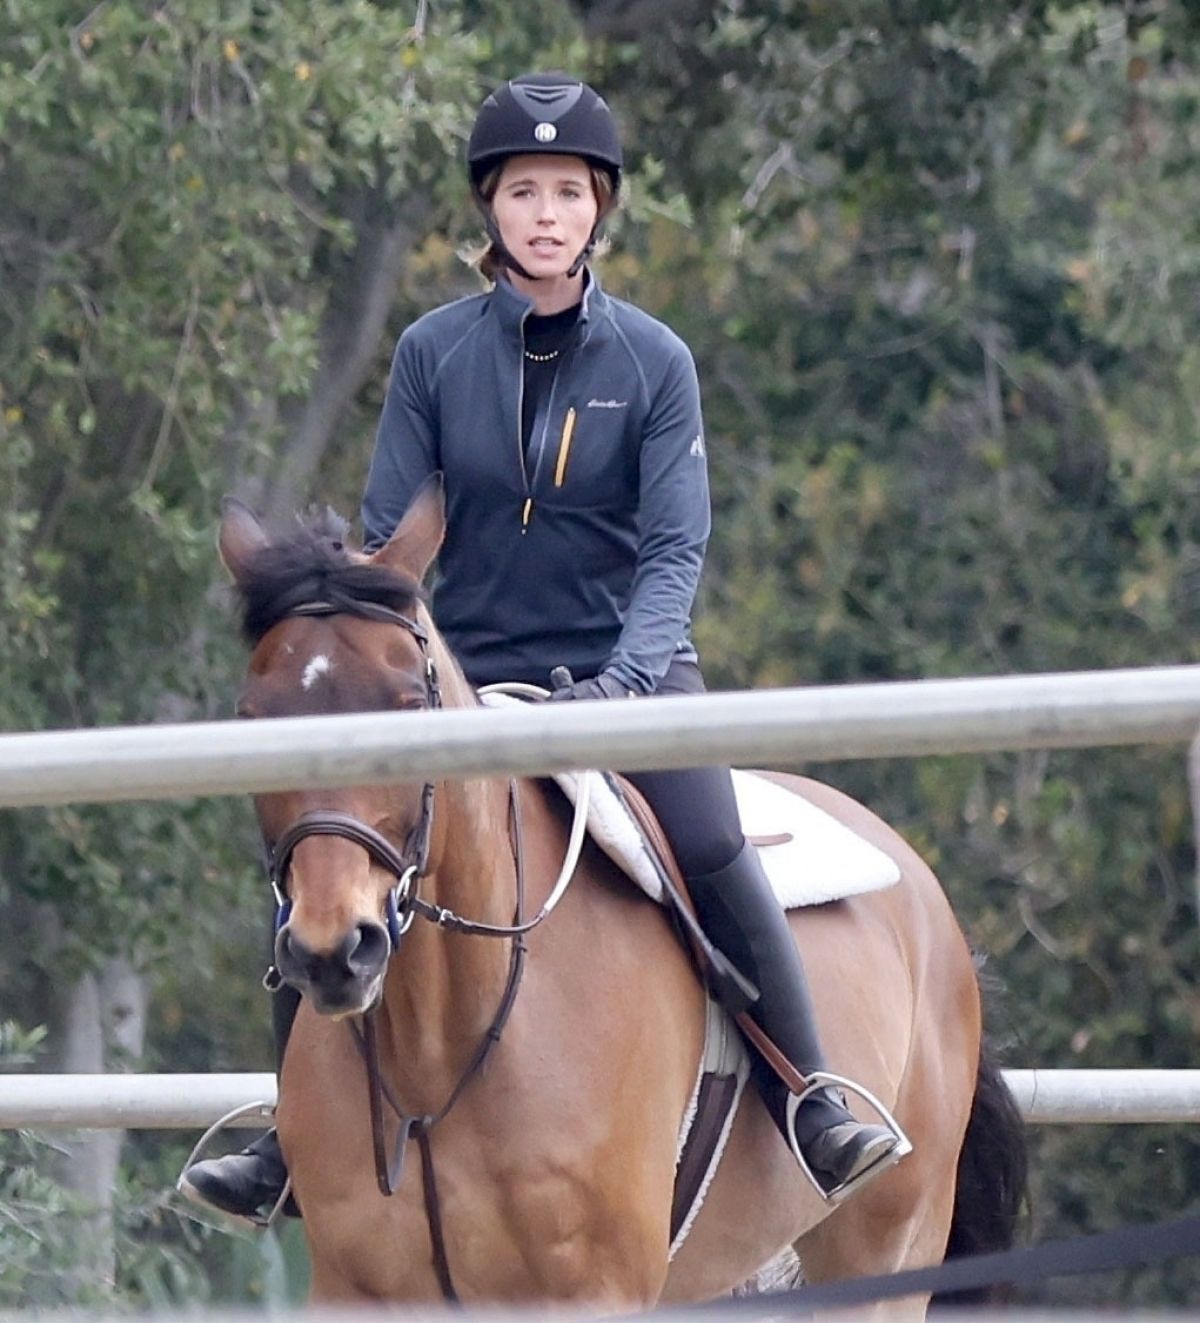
column 695, row 805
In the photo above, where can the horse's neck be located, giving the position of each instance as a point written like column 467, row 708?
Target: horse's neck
column 444, row 988
column 474, row 868
column 474, row 864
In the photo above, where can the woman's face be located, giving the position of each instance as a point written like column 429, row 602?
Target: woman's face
column 545, row 208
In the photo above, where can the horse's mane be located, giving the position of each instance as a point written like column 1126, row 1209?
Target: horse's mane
column 314, row 565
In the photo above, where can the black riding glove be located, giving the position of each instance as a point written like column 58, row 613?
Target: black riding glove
column 604, row 685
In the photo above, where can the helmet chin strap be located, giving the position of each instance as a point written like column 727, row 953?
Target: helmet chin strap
column 585, row 252
column 493, row 233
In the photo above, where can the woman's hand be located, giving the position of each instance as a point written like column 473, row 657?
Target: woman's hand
column 604, row 685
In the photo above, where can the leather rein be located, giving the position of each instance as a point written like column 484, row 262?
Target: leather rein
column 404, row 903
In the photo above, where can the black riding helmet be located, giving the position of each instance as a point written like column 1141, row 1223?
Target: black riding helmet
column 551, row 114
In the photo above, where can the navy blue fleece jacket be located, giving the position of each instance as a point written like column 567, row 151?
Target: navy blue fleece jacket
column 587, row 552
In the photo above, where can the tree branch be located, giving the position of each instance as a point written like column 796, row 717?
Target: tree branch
column 354, row 318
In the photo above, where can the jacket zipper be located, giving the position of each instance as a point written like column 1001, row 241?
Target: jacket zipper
column 527, row 507
column 564, row 444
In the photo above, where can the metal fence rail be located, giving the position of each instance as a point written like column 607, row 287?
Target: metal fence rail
column 1159, row 705
column 150, row 1102
column 766, row 727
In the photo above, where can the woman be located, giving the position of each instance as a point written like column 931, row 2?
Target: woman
column 567, row 426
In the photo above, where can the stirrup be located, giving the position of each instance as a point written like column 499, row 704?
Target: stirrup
column 261, row 1109
column 820, row 1079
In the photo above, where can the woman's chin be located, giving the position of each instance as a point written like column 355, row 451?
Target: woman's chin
column 547, row 269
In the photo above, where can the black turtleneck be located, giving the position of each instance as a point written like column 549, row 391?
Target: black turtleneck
column 547, row 338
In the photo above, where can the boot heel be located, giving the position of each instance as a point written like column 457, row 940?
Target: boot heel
column 283, row 1205
column 821, row 1079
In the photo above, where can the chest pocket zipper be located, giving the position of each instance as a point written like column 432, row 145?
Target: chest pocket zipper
column 564, row 448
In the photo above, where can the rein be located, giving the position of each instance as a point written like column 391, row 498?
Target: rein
column 404, row 903
column 388, row 1173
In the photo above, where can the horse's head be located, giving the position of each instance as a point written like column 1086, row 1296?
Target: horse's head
column 334, row 631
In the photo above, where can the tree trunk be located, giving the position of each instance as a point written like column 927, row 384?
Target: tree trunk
column 101, row 1025
column 360, row 296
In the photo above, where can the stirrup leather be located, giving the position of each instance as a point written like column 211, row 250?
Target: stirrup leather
column 820, row 1079
column 267, row 1112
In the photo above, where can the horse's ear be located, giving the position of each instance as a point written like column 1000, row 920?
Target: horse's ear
column 413, row 545
column 241, row 536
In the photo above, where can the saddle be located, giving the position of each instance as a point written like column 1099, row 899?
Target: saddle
column 809, row 857
column 849, row 865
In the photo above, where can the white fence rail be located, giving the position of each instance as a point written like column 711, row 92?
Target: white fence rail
column 1159, row 705
column 769, row 727
column 150, row 1102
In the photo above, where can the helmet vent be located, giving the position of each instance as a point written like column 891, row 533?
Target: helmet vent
column 546, row 103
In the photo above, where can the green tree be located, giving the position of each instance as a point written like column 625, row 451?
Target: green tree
column 940, row 277
column 207, row 209
column 941, row 294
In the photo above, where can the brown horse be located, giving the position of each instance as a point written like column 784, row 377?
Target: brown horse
column 550, row 1176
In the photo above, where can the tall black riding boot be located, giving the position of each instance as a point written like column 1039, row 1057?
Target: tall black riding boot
column 738, row 911
column 253, row 1180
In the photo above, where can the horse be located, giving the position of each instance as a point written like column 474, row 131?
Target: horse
column 544, row 1075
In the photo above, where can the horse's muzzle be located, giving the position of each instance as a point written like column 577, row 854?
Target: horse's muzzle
column 340, row 982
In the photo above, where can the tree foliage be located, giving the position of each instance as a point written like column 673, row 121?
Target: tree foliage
column 938, row 264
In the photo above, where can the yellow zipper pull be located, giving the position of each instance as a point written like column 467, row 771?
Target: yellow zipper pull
column 564, row 448
column 526, row 513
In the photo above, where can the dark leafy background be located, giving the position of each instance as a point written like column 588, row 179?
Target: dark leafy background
column 939, row 265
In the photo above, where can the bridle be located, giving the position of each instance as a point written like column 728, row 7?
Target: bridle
column 407, row 866
column 404, row 903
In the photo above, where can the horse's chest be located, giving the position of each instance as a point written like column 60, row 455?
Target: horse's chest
column 545, row 1232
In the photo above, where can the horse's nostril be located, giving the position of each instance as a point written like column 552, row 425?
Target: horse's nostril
column 367, row 948
column 287, row 959
column 358, row 959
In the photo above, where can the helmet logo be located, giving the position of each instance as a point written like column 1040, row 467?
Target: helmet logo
column 545, row 132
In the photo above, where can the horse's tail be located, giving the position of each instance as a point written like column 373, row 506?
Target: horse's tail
column 993, row 1175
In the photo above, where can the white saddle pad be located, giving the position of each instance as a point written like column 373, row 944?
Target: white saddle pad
column 822, row 860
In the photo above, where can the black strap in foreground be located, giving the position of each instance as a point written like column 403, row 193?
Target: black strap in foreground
column 1106, row 1251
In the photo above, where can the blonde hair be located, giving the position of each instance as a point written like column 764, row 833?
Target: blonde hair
column 488, row 259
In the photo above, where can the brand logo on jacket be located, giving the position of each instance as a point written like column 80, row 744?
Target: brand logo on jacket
column 608, row 404
column 697, row 447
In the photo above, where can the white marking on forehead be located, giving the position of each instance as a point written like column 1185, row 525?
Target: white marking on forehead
column 317, row 666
